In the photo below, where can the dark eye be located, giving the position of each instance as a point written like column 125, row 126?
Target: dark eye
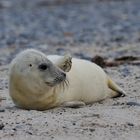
column 30, row 65
column 43, row 66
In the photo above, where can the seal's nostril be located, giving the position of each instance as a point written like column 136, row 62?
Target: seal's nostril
column 64, row 74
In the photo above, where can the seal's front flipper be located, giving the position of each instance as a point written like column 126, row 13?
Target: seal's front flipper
column 117, row 91
column 65, row 63
column 73, row 104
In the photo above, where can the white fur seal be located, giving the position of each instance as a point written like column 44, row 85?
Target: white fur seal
column 40, row 82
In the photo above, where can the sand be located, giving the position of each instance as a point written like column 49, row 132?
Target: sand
column 116, row 119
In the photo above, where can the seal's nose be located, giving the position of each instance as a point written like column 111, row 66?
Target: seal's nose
column 64, row 75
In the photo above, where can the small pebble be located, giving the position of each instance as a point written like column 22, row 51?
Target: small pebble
column 130, row 124
column 1, row 126
column 133, row 103
column 73, row 123
column 2, row 110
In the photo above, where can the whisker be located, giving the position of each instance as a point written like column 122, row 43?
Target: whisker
column 66, row 82
column 61, row 83
column 63, row 86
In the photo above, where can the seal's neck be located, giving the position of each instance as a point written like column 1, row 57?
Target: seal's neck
column 49, row 99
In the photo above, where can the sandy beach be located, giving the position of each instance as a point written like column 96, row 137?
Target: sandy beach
column 57, row 27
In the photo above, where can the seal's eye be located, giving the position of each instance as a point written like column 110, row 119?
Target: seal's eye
column 43, row 66
column 30, row 65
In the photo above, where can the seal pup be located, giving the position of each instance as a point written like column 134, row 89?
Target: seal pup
column 41, row 82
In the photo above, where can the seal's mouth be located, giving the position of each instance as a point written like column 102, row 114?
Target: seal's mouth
column 50, row 84
column 54, row 83
column 57, row 81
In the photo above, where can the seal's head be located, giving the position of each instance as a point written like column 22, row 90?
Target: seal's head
column 32, row 72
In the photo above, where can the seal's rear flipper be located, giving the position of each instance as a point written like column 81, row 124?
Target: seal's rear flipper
column 65, row 63
column 73, row 104
column 117, row 90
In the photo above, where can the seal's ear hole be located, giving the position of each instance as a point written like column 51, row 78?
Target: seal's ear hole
column 30, row 65
column 64, row 66
column 43, row 66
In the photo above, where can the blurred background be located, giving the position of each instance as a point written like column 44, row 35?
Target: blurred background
column 84, row 28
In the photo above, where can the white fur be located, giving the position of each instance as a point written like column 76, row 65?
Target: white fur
column 87, row 82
